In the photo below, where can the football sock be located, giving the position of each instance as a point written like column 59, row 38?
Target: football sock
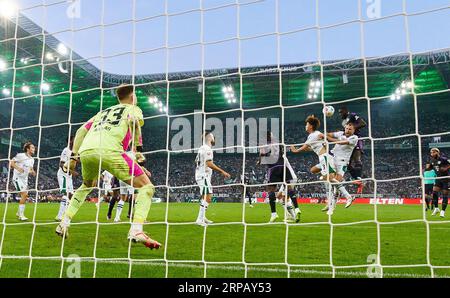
column 289, row 208
column 427, row 201
column 293, row 195
column 130, row 205
column 435, row 199
column 112, row 202
column 76, row 202
column 119, row 209
column 143, row 203
column 21, row 209
column 62, row 206
column 272, row 200
column 444, row 202
column 344, row 192
column 203, row 207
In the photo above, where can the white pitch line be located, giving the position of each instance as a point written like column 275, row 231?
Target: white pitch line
column 260, row 268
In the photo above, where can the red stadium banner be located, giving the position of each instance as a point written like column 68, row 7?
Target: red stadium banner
column 378, row 201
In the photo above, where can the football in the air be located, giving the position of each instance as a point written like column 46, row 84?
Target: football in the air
column 328, row 111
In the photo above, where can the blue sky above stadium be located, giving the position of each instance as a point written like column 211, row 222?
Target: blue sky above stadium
column 81, row 30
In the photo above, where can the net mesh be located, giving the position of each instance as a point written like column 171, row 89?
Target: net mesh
column 280, row 91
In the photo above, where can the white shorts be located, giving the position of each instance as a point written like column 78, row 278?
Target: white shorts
column 107, row 188
column 65, row 182
column 205, row 186
column 20, row 184
column 340, row 165
column 126, row 189
column 326, row 164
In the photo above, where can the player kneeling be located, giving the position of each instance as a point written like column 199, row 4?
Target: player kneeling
column 117, row 127
column 203, row 173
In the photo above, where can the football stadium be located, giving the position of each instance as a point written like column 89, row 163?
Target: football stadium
column 275, row 151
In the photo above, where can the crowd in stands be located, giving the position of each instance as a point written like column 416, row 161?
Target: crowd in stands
column 388, row 164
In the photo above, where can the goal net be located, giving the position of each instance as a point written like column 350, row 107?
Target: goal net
column 239, row 69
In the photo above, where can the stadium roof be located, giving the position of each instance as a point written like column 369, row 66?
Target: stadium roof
column 260, row 86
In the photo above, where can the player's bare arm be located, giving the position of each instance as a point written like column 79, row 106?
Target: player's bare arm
column 14, row 165
column 147, row 172
column 303, row 148
column 211, row 165
column 263, row 154
column 336, row 141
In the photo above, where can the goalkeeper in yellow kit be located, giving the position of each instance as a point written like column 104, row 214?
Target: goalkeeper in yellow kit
column 101, row 144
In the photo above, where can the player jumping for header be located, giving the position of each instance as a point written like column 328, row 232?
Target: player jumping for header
column 345, row 142
column 355, row 163
column 101, row 144
column 316, row 143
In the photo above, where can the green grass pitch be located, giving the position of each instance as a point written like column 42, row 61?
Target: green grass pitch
column 265, row 253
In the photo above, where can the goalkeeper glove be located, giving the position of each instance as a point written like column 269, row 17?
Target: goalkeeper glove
column 140, row 158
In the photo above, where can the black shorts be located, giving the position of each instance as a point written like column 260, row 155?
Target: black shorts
column 275, row 174
column 428, row 189
column 115, row 184
column 441, row 183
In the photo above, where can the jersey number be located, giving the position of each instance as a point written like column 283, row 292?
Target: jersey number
column 112, row 118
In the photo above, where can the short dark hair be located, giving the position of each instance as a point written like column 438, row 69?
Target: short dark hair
column 343, row 108
column 205, row 134
column 123, row 91
column 313, row 121
column 26, row 146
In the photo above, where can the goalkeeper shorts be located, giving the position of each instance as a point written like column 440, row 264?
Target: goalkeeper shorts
column 119, row 164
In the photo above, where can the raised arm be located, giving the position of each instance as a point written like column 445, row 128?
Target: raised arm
column 263, row 154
